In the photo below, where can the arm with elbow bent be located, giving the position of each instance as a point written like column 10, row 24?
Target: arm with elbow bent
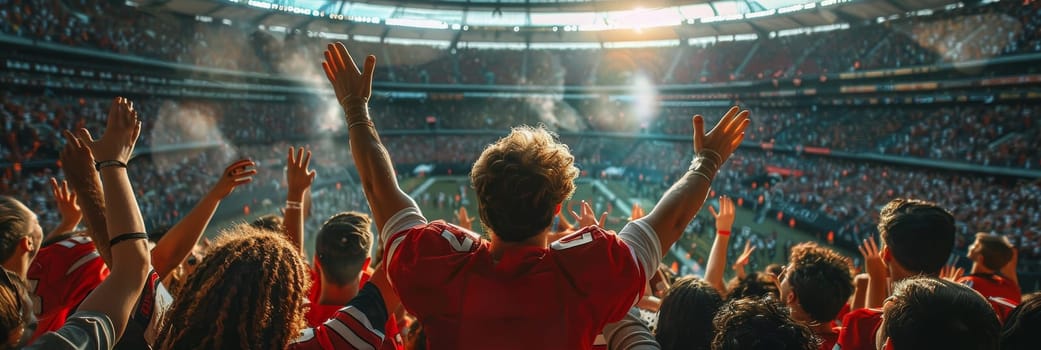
column 116, row 296
column 174, row 247
column 375, row 168
column 684, row 199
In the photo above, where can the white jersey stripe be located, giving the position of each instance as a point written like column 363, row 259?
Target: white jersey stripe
column 83, row 260
column 348, row 335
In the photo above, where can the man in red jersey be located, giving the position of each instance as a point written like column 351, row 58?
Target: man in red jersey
column 993, row 272
column 917, row 238
column 68, row 270
column 517, row 290
column 341, row 257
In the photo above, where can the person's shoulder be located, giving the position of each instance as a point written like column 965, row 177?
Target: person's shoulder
column 586, row 238
column 83, row 330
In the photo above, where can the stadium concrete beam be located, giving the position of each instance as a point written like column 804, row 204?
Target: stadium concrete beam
column 898, row 5
column 265, row 15
column 215, row 9
column 762, row 32
column 455, row 39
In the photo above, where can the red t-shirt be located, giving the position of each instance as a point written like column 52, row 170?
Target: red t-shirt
column 558, row 297
column 60, row 277
column 858, row 329
column 1002, row 294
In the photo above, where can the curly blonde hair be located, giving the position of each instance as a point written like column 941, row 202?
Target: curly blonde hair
column 519, row 181
column 248, row 293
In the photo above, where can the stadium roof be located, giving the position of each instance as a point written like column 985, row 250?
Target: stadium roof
column 521, row 23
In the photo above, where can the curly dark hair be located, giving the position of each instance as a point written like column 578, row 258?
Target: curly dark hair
column 759, row 324
column 685, row 316
column 754, row 285
column 520, row 179
column 248, row 293
column 821, row 279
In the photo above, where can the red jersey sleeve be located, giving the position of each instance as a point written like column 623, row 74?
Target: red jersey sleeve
column 410, row 253
column 60, row 277
column 858, row 329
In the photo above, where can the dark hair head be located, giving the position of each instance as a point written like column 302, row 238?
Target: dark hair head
column 931, row 313
column 994, row 251
column 774, row 269
column 342, row 245
column 519, row 181
column 270, row 222
column 248, row 293
column 15, row 223
column 759, row 324
column 919, row 234
column 685, row 316
column 1021, row 327
column 821, row 279
column 754, row 285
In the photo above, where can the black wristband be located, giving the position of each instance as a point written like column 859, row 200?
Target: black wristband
column 127, row 237
column 108, row 163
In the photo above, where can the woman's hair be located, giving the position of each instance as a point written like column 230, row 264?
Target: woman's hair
column 248, row 293
column 759, row 324
column 11, row 322
column 685, row 316
column 15, row 219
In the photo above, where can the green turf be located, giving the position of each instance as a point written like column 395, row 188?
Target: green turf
column 701, row 243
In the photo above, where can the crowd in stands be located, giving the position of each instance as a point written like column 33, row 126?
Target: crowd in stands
column 959, row 35
column 197, row 294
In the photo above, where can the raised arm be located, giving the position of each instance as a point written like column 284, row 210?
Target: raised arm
column 717, row 258
column 71, row 215
column 78, row 165
column 298, row 180
column 116, row 296
column 375, row 168
column 684, row 199
column 743, row 259
column 174, row 247
column 878, row 279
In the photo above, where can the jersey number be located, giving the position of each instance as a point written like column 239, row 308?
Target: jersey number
column 459, row 245
column 74, row 241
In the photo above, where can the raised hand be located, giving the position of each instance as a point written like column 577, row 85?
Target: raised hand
column 725, row 216
column 745, row 256
column 121, row 133
column 637, row 212
column 951, row 273
column 298, row 178
column 588, row 217
column 349, row 84
column 873, row 264
column 237, row 174
column 878, row 282
column 464, row 220
column 66, row 200
column 724, row 138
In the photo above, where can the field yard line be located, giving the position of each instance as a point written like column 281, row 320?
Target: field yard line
column 625, row 207
column 423, row 187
